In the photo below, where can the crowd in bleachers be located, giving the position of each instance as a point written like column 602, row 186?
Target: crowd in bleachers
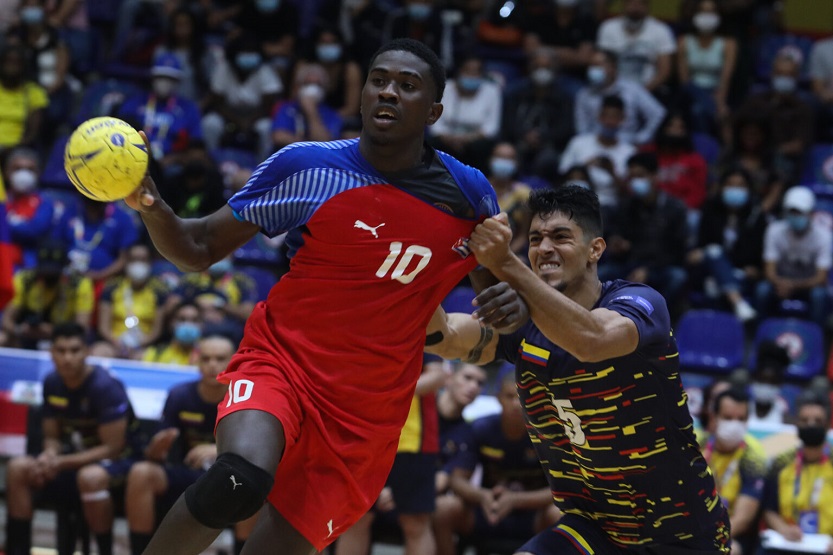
column 705, row 137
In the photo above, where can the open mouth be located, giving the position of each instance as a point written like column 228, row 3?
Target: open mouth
column 385, row 114
column 549, row 266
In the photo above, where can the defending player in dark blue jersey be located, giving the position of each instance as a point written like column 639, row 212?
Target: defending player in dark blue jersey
column 597, row 372
column 89, row 440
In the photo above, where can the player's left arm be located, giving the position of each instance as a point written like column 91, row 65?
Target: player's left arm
column 457, row 336
column 588, row 335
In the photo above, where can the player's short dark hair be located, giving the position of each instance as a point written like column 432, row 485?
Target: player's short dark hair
column 421, row 51
column 613, row 101
column 69, row 330
column 579, row 203
column 735, row 394
column 646, row 160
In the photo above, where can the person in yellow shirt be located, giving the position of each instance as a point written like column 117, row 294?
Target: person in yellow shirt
column 184, row 331
column 22, row 101
column 799, row 491
column 738, row 464
column 46, row 295
column 130, row 314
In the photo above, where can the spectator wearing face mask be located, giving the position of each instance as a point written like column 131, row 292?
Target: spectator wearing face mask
column 422, row 20
column 570, row 34
column 130, row 309
column 790, row 118
column 243, row 93
column 179, row 342
column 644, row 45
column 706, row 62
column 797, row 257
column 738, row 464
column 683, row 172
column 29, row 215
column 537, row 116
column 512, row 194
column 306, row 116
column 798, row 493
column 769, row 409
column 344, row 74
column 169, row 120
column 275, row 25
column 727, row 257
column 649, row 234
column 643, row 112
column 470, row 123
column 592, row 148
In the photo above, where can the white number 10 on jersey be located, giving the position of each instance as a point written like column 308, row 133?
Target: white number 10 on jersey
column 399, row 271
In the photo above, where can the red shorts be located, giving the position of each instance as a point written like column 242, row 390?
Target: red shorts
column 328, row 477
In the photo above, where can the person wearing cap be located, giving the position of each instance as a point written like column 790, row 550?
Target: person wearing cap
column 169, row 120
column 46, row 295
column 798, row 253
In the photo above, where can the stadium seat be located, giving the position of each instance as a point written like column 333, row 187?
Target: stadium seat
column 771, row 45
column 818, row 170
column 259, row 252
column 710, row 341
column 803, row 339
column 459, row 300
column 264, row 279
column 708, row 147
column 103, row 98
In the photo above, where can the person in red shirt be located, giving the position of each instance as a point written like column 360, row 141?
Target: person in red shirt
column 683, row 172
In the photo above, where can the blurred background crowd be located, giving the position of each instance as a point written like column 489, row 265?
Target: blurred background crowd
column 704, row 126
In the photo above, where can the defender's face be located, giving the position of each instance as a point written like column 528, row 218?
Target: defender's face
column 558, row 250
column 398, row 97
column 69, row 355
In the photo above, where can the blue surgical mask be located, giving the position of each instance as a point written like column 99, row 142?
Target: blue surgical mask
column 640, row 186
column 247, row 61
column 468, row 83
column 31, row 15
column 783, row 84
column 187, row 333
column 220, row 268
column 267, row 6
column 596, row 75
column 419, row 12
column 608, row 132
column 798, row 222
column 328, row 52
column 735, row 197
column 502, row 167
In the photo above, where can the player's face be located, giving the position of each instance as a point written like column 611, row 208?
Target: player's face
column 510, row 403
column 214, row 357
column 466, row 384
column 559, row 252
column 398, row 98
column 69, row 355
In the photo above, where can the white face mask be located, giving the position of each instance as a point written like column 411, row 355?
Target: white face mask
column 730, row 432
column 23, row 180
column 706, row 21
column 313, row 91
column 137, row 271
column 764, row 392
column 542, row 76
column 163, row 87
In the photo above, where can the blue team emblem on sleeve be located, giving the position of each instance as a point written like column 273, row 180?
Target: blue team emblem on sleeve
column 642, row 301
column 461, row 247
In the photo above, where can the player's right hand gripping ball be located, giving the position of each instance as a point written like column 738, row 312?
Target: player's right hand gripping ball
column 105, row 158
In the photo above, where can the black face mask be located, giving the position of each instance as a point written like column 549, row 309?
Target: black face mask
column 812, row 436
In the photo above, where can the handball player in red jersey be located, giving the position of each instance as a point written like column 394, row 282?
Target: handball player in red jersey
column 322, row 382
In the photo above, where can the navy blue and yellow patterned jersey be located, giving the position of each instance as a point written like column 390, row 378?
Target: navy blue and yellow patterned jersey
column 100, row 399
column 456, row 440
column 802, row 492
column 615, row 437
column 191, row 415
column 740, row 472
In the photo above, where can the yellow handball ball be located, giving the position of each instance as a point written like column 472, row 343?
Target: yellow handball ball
column 105, row 158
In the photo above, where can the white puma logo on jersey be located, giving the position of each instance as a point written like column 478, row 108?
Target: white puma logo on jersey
column 235, row 482
column 330, row 528
column 361, row 225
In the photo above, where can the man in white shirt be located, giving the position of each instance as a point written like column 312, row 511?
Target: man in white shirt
column 643, row 112
column 601, row 150
column 644, row 44
column 798, row 254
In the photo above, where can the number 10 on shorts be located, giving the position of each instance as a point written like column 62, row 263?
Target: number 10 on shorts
column 239, row 391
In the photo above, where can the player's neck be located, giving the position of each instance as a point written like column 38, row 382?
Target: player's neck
column 211, row 393
column 587, row 292
column 392, row 157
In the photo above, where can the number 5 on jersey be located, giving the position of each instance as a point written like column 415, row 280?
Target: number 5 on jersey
column 571, row 421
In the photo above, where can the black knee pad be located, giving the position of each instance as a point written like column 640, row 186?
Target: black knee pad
column 232, row 490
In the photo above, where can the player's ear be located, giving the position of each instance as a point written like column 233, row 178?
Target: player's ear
column 597, row 248
column 434, row 113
